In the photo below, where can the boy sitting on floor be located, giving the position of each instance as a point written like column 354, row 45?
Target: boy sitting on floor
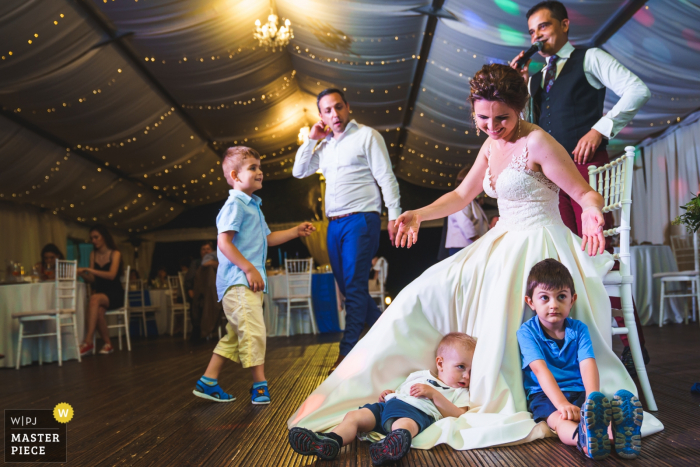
column 419, row 402
column 559, row 369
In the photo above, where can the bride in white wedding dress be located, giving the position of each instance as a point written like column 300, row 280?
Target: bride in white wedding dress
column 480, row 290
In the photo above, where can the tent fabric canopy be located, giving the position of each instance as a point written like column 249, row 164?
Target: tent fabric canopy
column 137, row 99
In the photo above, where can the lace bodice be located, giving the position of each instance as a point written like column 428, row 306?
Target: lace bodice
column 526, row 199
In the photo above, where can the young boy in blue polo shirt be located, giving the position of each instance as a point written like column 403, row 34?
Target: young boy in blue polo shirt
column 559, row 370
column 240, row 279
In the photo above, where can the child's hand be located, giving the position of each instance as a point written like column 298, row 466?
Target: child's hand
column 569, row 412
column 305, row 229
column 384, row 394
column 423, row 390
column 255, row 280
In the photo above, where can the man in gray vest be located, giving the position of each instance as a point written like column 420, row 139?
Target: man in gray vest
column 568, row 96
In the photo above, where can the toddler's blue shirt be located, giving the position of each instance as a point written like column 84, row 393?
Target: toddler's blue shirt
column 242, row 214
column 563, row 363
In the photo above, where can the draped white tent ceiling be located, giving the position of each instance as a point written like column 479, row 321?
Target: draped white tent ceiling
column 116, row 111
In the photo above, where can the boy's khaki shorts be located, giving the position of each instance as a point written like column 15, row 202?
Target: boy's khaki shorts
column 246, row 335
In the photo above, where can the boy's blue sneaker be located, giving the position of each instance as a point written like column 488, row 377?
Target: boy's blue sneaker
column 592, row 430
column 259, row 393
column 306, row 443
column 208, row 388
column 627, row 416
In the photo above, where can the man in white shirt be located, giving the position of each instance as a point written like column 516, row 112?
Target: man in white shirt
column 354, row 160
column 568, row 96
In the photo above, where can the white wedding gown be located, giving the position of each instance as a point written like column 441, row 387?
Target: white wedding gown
column 479, row 291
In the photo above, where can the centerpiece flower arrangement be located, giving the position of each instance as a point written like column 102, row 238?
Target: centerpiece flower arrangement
column 691, row 218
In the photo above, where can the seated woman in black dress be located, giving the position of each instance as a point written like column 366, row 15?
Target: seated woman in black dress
column 107, row 291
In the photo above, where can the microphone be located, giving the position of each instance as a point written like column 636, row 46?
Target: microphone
column 536, row 47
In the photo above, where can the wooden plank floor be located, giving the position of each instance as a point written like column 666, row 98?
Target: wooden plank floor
column 137, row 408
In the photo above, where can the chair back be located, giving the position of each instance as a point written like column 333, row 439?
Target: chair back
column 127, row 273
column 174, row 287
column 299, row 277
column 382, row 267
column 685, row 249
column 181, row 278
column 613, row 182
column 138, row 294
column 66, row 284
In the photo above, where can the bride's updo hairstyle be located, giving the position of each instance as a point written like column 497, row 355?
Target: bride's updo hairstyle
column 499, row 83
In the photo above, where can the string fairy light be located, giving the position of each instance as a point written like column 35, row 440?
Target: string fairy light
column 130, row 139
column 32, row 38
column 66, row 104
column 251, row 47
column 335, row 60
column 64, row 207
column 266, row 98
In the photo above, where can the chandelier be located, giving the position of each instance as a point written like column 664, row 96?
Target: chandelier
column 270, row 36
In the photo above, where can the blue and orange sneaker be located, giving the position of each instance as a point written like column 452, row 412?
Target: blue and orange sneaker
column 627, row 416
column 307, row 443
column 593, row 440
column 260, row 394
column 208, row 388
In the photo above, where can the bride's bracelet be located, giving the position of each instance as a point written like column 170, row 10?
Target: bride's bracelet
column 591, row 207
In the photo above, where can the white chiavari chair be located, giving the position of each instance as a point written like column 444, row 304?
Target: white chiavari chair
column 299, row 289
column 614, row 182
column 65, row 309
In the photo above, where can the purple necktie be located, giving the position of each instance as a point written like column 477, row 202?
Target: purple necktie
column 551, row 73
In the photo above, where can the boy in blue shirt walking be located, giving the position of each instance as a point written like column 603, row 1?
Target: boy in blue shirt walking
column 240, row 279
column 561, row 376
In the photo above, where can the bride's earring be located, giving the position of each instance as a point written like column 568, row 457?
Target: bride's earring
column 478, row 133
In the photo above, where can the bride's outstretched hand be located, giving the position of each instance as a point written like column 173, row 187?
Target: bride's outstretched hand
column 592, row 230
column 408, row 224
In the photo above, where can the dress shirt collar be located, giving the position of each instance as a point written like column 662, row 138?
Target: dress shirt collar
column 564, row 53
column 569, row 333
column 245, row 198
column 347, row 128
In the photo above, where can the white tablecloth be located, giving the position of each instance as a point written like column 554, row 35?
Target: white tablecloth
column 161, row 298
column 276, row 312
column 36, row 297
column 645, row 261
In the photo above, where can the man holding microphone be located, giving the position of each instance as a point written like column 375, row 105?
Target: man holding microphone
column 568, row 96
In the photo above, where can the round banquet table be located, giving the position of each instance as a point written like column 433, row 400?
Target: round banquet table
column 645, row 260
column 327, row 312
column 36, row 297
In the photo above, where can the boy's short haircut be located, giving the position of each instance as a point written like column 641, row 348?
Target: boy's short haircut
column 549, row 274
column 234, row 157
column 455, row 339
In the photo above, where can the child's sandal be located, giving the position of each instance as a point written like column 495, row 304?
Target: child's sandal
column 212, row 393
